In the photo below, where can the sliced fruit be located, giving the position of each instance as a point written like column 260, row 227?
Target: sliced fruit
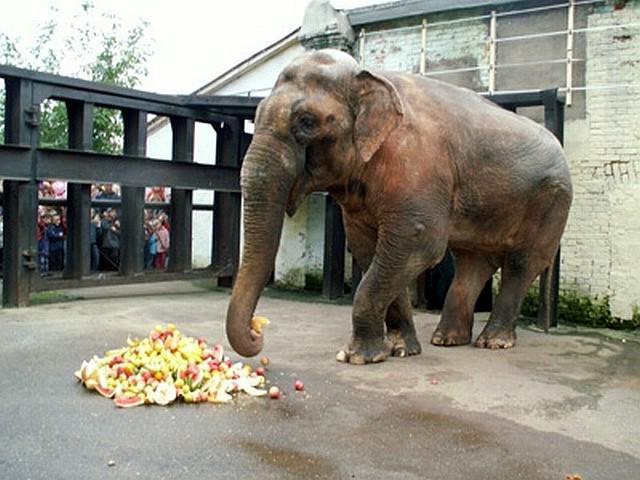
column 105, row 391
column 126, row 401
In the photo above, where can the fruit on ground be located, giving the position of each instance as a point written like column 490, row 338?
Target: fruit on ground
column 274, row 392
column 166, row 366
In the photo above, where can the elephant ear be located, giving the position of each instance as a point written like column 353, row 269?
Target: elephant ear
column 378, row 110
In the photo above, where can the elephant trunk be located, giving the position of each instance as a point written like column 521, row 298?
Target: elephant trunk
column 267, row 174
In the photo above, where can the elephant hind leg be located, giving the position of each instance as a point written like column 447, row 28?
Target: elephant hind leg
column 472, row 272
column 401, row 331
column 517, row 274
column 521, row 267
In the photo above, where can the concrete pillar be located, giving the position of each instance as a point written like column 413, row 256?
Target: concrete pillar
column 325, row 27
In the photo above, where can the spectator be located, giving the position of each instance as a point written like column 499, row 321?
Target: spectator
column 43, row 242
column 163, row 245
column 107, row 193
column 55, row 235
column 110, row 229
column 156, row 194
column 94, row 233
column 152, row 244
column 59, row 189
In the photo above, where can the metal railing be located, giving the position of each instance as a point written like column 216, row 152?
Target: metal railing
column 492, row 40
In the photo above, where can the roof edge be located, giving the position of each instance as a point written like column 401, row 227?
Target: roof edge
column 234, row 72
column 411, row 8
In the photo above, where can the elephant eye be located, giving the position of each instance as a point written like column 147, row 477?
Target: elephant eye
column 304, row 127
column 307, row 122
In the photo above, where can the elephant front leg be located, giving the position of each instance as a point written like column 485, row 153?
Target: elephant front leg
column 401, row 331
column 382, row 297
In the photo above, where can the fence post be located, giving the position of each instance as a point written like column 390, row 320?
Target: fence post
column 334, row 240
column 78, row 254
column 20, row 262
column 550, row 278
column 230, row 148
column 132, row 214
column 181, row 199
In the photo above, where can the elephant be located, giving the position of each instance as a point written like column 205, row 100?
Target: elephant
column 417, row 166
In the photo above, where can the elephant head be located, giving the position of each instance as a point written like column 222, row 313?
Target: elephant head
column 323, row 121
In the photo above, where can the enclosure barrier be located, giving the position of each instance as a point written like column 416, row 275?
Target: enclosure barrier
column 23, row 163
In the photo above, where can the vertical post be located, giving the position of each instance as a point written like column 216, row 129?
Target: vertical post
column 78, row 255
column 132, row 215
column 570, row 35
column 550, row 278
column 230, row 148
column 423, row 48
column 361, row 46
column 334, row 239
column 20, row 197
column 492, row 52
column 181, row 199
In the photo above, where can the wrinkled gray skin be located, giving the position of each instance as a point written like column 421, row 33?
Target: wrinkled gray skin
column 417, row 166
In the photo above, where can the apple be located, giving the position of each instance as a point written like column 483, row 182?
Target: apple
column 274, row 392
column 298, row 385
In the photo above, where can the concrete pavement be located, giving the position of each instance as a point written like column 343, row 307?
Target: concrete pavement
column 563, row 403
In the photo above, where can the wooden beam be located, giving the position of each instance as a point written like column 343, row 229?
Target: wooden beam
column 181, row 199
column 334, row 242
column 77, row 253
column 20, row 198
column 132, row 213
column 230, row 149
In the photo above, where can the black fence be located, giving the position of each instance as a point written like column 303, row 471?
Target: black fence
column 23, row 163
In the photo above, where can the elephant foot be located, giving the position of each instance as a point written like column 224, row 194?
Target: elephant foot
column 360, row 352
column 403, row 345
column 496, row 338
column 450, row 338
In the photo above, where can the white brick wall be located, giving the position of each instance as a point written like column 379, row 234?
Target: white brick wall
column 601, row 248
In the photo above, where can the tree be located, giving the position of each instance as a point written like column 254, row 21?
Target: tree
column 96, row 46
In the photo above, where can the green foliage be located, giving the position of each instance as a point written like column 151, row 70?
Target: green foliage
column 92, row 45
column 579, row 309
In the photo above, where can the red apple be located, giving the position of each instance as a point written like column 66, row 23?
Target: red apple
column 274, row 392
column 298, row 385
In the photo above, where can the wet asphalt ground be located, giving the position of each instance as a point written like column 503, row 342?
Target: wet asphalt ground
column 557, row 404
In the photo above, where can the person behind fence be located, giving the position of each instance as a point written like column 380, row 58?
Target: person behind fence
column 55, row 235
column 110, row 241
column 94, row 231
column 151, row 243
column 163, row 244
column 43, row 241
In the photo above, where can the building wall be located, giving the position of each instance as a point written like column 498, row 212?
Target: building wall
column 602, row 242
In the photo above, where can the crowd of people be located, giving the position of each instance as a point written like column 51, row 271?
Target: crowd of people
column 104, row 231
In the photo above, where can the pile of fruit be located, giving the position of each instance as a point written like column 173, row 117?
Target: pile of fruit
column 166, row 366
